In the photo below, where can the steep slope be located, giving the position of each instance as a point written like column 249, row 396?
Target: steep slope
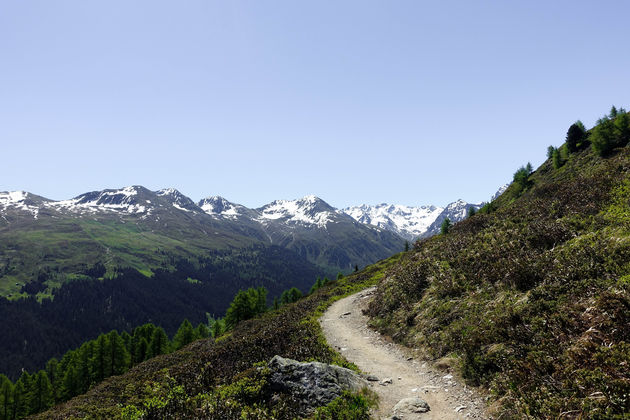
column 529, row 297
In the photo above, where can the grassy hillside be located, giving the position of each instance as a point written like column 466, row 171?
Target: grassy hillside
column 219, row 379
column 69, row 246
column 531, row 298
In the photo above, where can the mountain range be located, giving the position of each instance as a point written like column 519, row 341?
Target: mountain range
column 143, row 229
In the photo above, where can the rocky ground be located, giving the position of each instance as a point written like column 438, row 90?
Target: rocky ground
column 408, row 387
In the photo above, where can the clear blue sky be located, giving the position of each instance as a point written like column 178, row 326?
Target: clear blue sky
column 410, row 102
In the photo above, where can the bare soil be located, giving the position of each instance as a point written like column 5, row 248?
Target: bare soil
column 345, row 328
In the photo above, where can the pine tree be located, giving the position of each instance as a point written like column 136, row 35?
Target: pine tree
column 613, row 112
column 142, row 350
column 19, row 401
column 217, row 328
column 41, row 393
column 119, row 357
column 126, row 337
column 100, row 366
column 445, row 226
column 202, row 331
column 85, row 356
column 261, row 300
column 184, row 335
column 295, row 294
column 25, row 381
column 339, row 275
column 159, row 343
column 6, row 394
column 603, row 136
column 53, row 370
column 622, row 129
column 71, row 386
column 575, row 135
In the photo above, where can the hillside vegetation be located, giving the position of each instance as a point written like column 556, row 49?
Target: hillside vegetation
column 531, row 297
column 226, row 378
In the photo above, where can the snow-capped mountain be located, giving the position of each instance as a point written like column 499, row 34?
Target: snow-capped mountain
column 308, row 226
column 178, row 200
column 406, row 221
column 410, row 222
column 455, row 212
column 309, row 210
column 219, row 207
column 500, row 191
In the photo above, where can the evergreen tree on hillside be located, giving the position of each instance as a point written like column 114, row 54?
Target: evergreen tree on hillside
column 41, row 393
column 142, row 350
column 185, row 335
column 55, row 375
column 445, row 226
column 19, row 403
column 603, row 136
column 6, row 393
column 159, row 343
column 202, row 331
column 70, row 385
column 25, row 383
column 613, row 112
column 119, row 357
column 246, row 305
column 622, row 128
column 100, row 366
column 575, row 135
column 85, row 356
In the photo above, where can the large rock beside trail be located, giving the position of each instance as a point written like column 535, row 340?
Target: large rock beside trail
column 313, row 384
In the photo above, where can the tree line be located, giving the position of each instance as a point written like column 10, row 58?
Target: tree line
column 33, row 332
column 610, row 131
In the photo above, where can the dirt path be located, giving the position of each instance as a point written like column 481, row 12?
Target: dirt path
column 345, row 329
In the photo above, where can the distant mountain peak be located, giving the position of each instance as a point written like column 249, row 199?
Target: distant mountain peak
column 221, row 207
column 308, row 210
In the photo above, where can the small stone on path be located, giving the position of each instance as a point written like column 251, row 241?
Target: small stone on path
column 410, row 406
column 372, row 378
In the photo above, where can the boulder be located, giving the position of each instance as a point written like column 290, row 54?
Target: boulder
column 411, row 405
column 313, row 384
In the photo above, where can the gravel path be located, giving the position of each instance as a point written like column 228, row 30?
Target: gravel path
column 345, row 328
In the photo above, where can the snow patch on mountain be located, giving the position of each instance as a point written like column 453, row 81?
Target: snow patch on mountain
column 177, row 199
column 220, row 207
column 309, row 210
column 19, row 200
column 122, row 200
column 407, row 221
